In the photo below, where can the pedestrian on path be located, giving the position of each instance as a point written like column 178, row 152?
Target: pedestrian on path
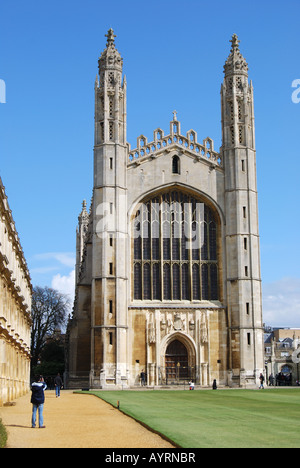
column 58, row 383
column 38, row 388
column 143, row 378
column 262, row 379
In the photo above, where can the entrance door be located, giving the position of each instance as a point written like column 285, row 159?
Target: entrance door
column 176, row 362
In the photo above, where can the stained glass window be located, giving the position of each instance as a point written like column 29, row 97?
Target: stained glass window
column 175, row 249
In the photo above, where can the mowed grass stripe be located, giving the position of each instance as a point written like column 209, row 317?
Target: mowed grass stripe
column 222, row 418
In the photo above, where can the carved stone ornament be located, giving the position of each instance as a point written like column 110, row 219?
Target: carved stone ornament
column 235, row 63
column 110, row 57
column 178, row 324
column 151, row 333
column 203, row 329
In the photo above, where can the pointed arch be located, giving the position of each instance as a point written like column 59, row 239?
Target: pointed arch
column 175, row 165
column 176, row 239
column 188, row 343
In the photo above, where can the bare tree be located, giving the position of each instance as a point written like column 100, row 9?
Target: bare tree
column 49, row 311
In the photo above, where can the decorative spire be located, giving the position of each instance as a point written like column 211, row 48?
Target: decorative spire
column 110, row 57
column 235, row 64
column 84, row 214
column 235, row 43
column 110, row 38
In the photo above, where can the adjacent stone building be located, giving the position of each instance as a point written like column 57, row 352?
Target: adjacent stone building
column 168, row 277
column 15, row 306
column 282, row 352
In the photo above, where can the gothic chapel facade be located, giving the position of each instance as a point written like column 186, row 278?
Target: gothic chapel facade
column 168, row 265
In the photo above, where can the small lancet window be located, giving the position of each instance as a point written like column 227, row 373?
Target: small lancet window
column 175, row 165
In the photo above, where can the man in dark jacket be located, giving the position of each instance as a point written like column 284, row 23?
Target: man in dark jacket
column 58, row 384
column 38, row 388
column 262, row 379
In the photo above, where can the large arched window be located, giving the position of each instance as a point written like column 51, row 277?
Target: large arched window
column 175, row 249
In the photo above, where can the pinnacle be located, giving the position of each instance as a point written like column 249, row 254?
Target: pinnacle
column 235, row 63
column 235, row 42
column 110, row 37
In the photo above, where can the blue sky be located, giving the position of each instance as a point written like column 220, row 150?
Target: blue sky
column 173, row 52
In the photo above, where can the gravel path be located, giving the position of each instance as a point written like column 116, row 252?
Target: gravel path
column 75, row 421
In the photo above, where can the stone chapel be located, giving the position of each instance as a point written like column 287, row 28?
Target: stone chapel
column 168, row 283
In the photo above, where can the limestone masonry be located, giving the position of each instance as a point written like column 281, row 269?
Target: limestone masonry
column 168, row 283
column 15, row 305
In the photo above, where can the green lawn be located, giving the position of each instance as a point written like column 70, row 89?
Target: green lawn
column 221, row 418
column 3, row 435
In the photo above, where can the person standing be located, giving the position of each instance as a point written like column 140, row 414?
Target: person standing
column 38, row 388
column 58, row 383
column 143, row 378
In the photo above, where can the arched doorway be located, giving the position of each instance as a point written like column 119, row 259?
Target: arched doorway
column 176, row 362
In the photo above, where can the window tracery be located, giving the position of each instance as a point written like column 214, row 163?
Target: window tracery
column 175, row 249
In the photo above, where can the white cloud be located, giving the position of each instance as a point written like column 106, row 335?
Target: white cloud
column 42, row 270
column 65, row 284
column 281, row 303
column 64, row 258
column 55, row 269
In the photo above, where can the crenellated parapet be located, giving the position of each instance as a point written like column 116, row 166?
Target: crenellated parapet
column 187, row 144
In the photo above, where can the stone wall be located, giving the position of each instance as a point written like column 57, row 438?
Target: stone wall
column 15, row 305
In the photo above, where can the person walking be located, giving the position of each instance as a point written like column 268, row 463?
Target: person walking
column 38, row 388
column 58, row 383
column 262, row 379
